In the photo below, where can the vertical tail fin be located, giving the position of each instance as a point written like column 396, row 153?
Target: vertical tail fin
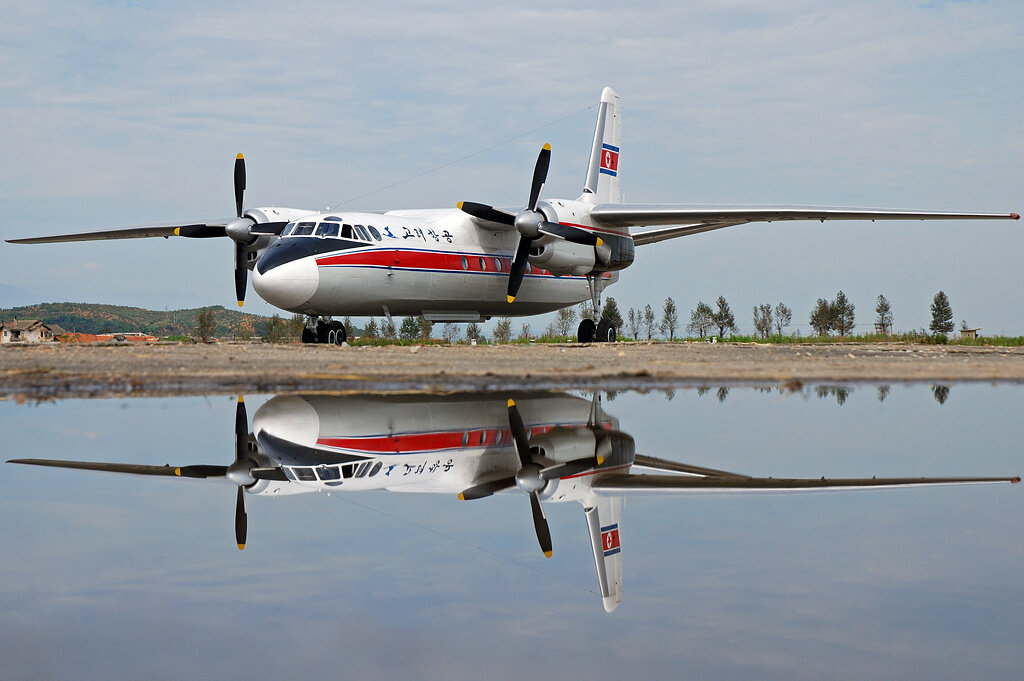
column 603, row 521
column 602, row 185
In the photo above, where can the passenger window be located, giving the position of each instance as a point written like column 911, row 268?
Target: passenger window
column 327, row 229
column 346, row 231
column 374, row 232
column 363, row 234
column 497, row 264
column 465, row 264
column 483, row 265
column 304, row 229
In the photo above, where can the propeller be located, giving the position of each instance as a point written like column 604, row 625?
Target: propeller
column 531, row 477
column 531, row 224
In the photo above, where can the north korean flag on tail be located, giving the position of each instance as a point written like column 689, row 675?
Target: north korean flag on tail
column 610, row 160
column 610, row 540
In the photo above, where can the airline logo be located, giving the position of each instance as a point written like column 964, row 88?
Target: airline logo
column 610, row 160
column 610, row 540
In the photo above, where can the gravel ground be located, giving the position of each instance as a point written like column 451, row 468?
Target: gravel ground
column 65, row 370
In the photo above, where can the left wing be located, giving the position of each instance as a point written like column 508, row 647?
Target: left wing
column 685, row 220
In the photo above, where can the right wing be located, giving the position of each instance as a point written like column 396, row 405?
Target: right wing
column 195, row 230
column 684, row 220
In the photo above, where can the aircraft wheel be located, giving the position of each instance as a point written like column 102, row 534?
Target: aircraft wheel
column 337, row 333
column 606, row 332
column 307, row 335
column 585, row 332
column 322, row 330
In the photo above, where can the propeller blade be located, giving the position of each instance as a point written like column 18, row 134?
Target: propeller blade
column 489, row 213
column 568, row 468
column 241, row 271
column 487, row 489
column 518, row 269
column 241, row 519
column 239, row 183
column 571, row 234
column 200, row 231
column 201, row 471
column 540, row 176
column 540, row 523
column 241, row 431
column 515, row 424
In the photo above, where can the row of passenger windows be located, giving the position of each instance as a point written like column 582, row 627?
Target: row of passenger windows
column 333, row 475
column 332, row 229
column 484, row 264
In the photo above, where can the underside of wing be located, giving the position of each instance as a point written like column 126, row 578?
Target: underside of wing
column 685, row 220
column 616, row 484
column 193, row 230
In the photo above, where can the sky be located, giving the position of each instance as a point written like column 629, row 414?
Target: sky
column 123, row 113
column 124, row 577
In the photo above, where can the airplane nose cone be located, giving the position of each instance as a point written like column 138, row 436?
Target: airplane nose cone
column 288, row 285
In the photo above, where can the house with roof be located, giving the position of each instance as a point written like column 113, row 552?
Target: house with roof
column 28, row 331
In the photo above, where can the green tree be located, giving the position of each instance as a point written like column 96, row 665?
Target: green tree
column 503, row 330
column 449, row 332
column 723, row 317
column 564, row 320
column 635, row 320
column 275, row 330
column 821, row 317
column 410, row 329
column 783, row 317
column 371, row 330
column 883, row 320
column 842, row 314
column 388, row 330
column 669, row 319
column 349, row 329
column 472, row 331
column 295, row 326
column 205, row 324
column 701, row 319
column 524, row 332
column 649, row 321
column 425, row 328
column 763, row 320
column 610, row 311
column 942, row 314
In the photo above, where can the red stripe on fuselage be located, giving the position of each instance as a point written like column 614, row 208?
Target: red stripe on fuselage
column 437, row 261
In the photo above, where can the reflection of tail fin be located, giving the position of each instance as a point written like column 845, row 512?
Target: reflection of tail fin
column 602, row 184
column 603, row 521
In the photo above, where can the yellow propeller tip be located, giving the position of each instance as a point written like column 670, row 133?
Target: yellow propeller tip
column 547, row 554
column 177, row 231
column 459, row 204
column 600, row 460
column 241, row 547
column 511, row 403
column 599, row 241
column 241, row 303
column 547, row 147
column 241, row 399
column 510, row 298
column 239, row 157
column 177, row 471
column 461, row 497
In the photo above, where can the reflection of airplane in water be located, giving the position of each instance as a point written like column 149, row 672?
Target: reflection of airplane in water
column 551, row 446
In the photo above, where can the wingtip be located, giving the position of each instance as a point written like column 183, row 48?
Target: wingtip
column 1014, row 481
column 1015, row 216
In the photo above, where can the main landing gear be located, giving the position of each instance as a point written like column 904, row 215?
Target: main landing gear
column 324, row 330
column 602, row 331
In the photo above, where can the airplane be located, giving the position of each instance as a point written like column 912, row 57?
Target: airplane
column 554, row 447
column 473, row 262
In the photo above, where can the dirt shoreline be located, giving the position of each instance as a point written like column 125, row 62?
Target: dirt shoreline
column 65, row 370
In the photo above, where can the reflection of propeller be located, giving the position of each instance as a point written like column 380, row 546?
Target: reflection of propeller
column 531, row 223
column 244, row 471
column 531, row 477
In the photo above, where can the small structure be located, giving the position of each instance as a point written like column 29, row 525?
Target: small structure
column 969, row 333
column 28, row 331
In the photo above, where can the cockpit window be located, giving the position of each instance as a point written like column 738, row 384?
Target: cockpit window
column 346, row 231
column 304, row 474
column 288, row 229
column 327, row 229
column 328, row 472
column 303, row 229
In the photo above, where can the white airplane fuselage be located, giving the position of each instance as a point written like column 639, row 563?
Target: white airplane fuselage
column 438, row 263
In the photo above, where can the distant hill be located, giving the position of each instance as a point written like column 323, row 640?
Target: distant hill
column 94, row 318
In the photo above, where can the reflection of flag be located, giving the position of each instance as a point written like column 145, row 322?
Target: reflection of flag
column 610, row 540
column 609, row 160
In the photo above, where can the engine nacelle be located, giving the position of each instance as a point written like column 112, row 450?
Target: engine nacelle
column 563, row 257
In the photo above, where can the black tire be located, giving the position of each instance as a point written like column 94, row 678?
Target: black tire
column 338, row 332
column 322, row 329
column 606, row 332
column 586, row 331
column 307, row 335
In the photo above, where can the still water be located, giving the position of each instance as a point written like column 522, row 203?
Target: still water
column 108, row 576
